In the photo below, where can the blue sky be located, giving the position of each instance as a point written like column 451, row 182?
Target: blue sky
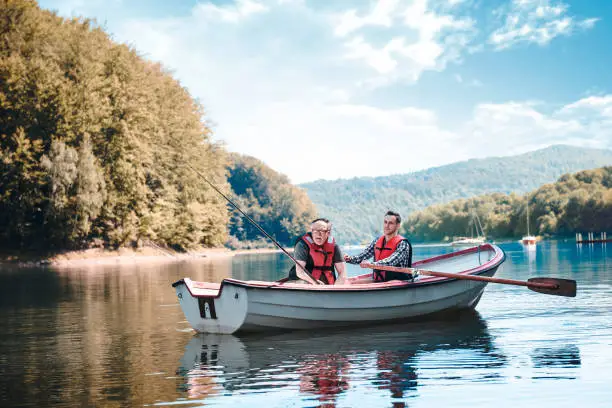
column 338, row 89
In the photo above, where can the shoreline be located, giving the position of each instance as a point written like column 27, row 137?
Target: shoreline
column 143, row 255
column 124, row 256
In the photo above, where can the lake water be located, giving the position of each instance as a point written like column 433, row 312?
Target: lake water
column 116, row 337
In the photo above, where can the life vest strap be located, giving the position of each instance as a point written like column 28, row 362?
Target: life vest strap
column 329, row 276
column 323, row 268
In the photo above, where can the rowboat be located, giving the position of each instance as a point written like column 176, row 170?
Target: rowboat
column 258, row 306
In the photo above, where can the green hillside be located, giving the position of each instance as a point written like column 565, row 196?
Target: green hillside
column 578, row 202
column 280, row 208
column 356, row 205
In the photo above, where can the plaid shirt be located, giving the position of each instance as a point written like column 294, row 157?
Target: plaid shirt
column 400, row 257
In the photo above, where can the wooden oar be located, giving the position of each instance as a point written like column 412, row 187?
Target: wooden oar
column 548, row 286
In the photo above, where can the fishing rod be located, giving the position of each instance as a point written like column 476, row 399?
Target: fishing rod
column 252, row 221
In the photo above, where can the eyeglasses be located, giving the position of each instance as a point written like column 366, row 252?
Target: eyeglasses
column 319, row 231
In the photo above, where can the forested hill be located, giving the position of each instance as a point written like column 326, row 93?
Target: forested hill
column 356, row 205
column 268, row 197
column 578, row 202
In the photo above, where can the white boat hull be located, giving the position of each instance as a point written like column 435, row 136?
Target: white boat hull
column 264, row 306
column 529, row 240
column 468, row 242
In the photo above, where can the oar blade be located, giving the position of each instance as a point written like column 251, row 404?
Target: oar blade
column 558, row 287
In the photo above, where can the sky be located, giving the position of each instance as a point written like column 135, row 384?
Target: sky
column 328, row 89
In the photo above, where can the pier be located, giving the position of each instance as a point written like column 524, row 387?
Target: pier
column 591, row 238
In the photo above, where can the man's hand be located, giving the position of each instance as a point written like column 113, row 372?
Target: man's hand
column 365, row 264
column 346, row 258
column 342, row 280
column 302, row 274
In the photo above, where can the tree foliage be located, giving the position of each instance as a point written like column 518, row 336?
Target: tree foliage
column 281, row 209
column 579, row 202
column 94, row 141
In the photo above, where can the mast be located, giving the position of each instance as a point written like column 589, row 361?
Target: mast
column 527, row 218
column 481, row 233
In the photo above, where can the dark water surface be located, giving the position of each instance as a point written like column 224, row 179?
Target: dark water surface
column 115, row 336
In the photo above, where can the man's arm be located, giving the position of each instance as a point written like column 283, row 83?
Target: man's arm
column 300, row 254
column 342, row 276
column 300, row 271
column 398, row 258
column 366, row 254
column 340, row 266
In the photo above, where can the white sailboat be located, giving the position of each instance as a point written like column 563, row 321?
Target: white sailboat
column 528, row 239
column 479, row 239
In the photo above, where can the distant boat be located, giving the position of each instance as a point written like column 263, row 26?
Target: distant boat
column 463, row 241
column 528, row 239
column 473, row 240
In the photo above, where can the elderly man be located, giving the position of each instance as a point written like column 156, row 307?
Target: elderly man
column 389, row 249
column 318, row 253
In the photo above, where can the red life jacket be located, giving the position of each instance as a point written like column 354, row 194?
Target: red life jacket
column 321, row 259
column 383, row 250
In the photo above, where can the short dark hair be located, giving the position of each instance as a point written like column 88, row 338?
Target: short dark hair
column 398, row 218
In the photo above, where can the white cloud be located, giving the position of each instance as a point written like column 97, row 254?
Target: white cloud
column 418, row 38
column 342, row 140
column 233, row 13
column 379, row 59
column 403, row 119
column 588, row 23
column 518, row 127
column 594, row 114
column 601, row 105
column 535, row 21
column 380, row 15
column 474, row 83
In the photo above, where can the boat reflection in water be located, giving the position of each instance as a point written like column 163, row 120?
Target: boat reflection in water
column 325, row 375
column 327, row 365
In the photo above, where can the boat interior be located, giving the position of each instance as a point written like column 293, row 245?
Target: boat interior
column 465, row 261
